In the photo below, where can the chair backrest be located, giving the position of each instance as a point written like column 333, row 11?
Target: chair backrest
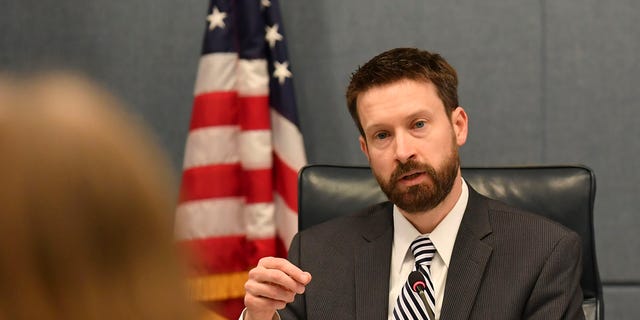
column 562, row 193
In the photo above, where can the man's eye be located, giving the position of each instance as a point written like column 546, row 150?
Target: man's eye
column 381, row 135
column 420, row 124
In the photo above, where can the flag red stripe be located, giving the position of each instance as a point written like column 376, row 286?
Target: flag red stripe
column 258, row 186
column 286, row 182
column 227, row 309
column 281, row 247
column 215, row 109
column 217, row 255
column 226, row 180
column 225, row 108
column 212, row 181
column 255, row 113
column 228, row 254
column 261, row 248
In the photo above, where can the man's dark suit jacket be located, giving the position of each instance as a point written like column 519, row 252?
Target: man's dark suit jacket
column 506, row 264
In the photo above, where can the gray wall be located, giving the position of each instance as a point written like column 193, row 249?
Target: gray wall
column 543, row 82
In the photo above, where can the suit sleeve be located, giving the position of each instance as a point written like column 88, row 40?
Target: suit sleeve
column 557, row 293
column 296, row 309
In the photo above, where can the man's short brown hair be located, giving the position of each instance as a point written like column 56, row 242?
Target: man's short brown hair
column 400, row 64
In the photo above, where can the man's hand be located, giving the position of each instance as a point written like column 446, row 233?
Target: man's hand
column 271, row 285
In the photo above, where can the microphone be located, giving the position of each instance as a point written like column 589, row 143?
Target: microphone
column 417, row 281
column 418, row 284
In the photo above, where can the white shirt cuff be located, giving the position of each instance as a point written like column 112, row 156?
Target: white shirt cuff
column 276, row 316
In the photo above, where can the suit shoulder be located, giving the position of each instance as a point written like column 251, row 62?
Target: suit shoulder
column 378, row 214
column 507, row 218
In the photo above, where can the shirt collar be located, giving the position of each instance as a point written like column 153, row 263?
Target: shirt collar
column 443, row 236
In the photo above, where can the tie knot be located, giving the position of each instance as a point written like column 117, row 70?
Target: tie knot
column 423, row 249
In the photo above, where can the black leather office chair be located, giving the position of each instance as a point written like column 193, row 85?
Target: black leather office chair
column 562, row 193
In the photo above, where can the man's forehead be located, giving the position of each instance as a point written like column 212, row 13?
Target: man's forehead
column 397, row 92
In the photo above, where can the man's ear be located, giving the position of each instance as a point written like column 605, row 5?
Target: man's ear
column 460, row 124
column 363, row 146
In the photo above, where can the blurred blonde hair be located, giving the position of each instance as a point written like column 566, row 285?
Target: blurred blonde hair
column 87, row 201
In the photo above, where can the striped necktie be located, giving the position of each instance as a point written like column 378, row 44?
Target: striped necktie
column 410, row 304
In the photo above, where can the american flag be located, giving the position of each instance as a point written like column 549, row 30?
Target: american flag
column 238, row 198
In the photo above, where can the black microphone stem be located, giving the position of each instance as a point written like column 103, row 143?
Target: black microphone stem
column 426, row 304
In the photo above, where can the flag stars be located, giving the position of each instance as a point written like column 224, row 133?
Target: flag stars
column 272, row 35
column 216, row 19
column 281, row 71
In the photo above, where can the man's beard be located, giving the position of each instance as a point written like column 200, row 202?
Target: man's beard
column 424, row 196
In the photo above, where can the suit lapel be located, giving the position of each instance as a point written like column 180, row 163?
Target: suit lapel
column 372, row 264
column 468, row 260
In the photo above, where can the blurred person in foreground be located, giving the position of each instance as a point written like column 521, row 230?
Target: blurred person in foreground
column 86, row 196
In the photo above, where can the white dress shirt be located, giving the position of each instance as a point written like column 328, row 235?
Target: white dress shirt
column 443, row 238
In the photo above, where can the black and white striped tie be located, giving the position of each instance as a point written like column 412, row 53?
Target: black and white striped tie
column 410, row 305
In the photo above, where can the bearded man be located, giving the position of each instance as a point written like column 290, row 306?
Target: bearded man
column 437, row 249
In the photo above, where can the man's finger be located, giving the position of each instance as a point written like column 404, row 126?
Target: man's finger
column 276, row 277
column 287, row 267
column 269, row 291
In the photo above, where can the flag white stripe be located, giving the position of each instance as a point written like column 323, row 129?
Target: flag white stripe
column 255, row 148
column 216, row 72
column 218, row 217
column 259, row 218
column 227, row 144
column 286, row 220
column 287, row 141
column 207, row 218
column 253, row 78
column 211, row 145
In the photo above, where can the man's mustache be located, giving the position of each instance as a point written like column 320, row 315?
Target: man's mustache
column 411, row 165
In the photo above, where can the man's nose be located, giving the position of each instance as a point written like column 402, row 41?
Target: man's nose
column 405, row 147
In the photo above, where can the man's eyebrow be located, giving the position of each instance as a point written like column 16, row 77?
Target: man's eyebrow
column 419, row 114
column 410, row 117
column 373, row 127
